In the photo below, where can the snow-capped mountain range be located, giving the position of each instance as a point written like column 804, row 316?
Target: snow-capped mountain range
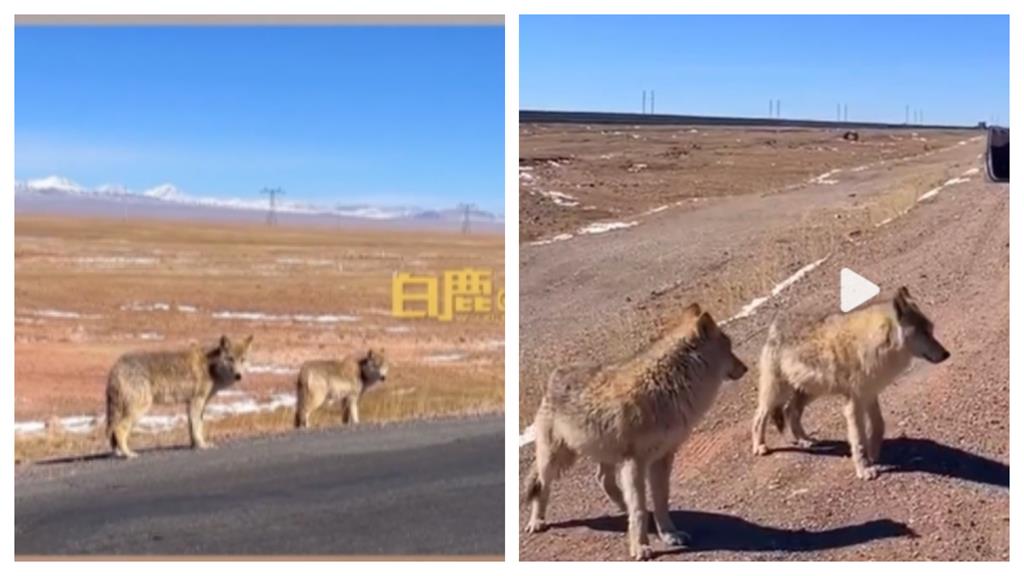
column 169, row 193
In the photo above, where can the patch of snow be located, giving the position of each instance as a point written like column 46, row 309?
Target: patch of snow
column 602, row 227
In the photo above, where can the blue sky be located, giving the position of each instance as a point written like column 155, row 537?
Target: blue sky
column 954, row 68
column 382, row 115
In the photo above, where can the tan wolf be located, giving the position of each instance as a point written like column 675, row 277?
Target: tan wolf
column 342, row 380
column 192, row 376
column 854, row 355
column 631, row 419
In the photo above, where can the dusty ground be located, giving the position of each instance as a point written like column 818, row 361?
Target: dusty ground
column 946, row 491
column 89, row 290
column 574, row 175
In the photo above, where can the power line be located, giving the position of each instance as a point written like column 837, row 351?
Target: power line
column 273, row 193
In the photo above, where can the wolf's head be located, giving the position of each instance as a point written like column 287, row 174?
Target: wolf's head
column 373, row 367
column 714, row 345
column 917, row 329
column 229, row 360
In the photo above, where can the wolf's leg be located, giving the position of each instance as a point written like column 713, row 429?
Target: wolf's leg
column 634, row 487
column 135, row 405
column 120, row 429
column 312, row 404
column 855, row 423
column 346, row 414
column 196, row 406
column 551, row 458
column 660, row 474
column 876, row 431
column 794, row 415
column 353, row 409
column 770, row 399
column 606, row 476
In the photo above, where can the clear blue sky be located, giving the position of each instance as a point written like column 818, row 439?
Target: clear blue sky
column 955, row 68
column 385, row 115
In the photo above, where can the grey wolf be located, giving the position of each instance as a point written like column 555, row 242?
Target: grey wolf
column 342, row 380
column 631, row 418
column 192, row 376
column 855, row 356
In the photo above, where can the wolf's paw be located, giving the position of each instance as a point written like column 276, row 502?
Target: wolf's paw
column 204, row 446
column 761, row 450
column 675, row 538
column 535, row 527
column 126, row 454
column 868, row 472
column 805, row 443
column 641, row 552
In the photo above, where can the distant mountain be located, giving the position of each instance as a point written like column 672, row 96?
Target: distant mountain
column 170, row 195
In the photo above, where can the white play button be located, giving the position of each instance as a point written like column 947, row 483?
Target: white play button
column 854, row 289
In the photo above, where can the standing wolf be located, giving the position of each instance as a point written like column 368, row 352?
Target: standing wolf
column 344, row 380
column 632, row 416
column 192, row 376
column 853, row 355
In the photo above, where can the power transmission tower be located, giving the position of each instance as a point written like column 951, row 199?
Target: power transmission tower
column 652, row 101
column 837, row 111
column 845, row 117
column 273, row 193
column 643, row 104
column 466, row 209
column 907, row 115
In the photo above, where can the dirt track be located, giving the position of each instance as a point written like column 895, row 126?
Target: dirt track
column 946, row 491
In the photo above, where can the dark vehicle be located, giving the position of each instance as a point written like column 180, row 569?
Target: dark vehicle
column 997, row 154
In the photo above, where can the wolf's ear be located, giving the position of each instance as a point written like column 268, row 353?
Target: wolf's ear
column 247, row 342
column 902, row 301
column 693, row 310
column 225, row 343
column 706, row 325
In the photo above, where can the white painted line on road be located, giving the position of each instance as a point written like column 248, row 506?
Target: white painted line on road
column 826, row 178
column 935, row 191
column 756, row 303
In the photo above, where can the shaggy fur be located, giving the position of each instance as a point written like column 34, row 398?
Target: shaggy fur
column 342, row 380
column 631, row 419
column 854, row 356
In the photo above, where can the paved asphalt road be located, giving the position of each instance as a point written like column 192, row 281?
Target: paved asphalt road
column 418, row 488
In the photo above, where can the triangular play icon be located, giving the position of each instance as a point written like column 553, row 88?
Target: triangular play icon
column 854, row 289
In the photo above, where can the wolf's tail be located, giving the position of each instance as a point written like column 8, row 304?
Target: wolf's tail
column 112, row 416
column 298, row 402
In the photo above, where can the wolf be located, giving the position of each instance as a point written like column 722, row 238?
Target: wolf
column 631, row 418
column 855, row 356
column 344, row 380
column 191, row 376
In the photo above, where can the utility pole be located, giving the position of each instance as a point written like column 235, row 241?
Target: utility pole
column 837, row 111
column 771, row 107
column 466, row 208
column 644, row 105
column 778, row 108
column 273, row 193
column 652, row 101
column 846, row 117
